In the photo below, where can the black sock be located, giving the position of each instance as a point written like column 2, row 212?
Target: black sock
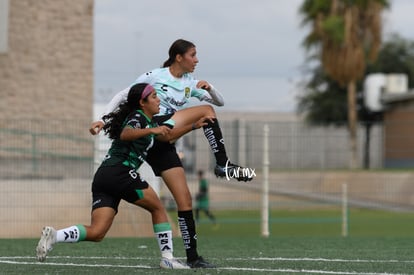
column 214, row 136
column 188, row 233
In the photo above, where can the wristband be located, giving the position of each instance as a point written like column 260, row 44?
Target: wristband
column 193, row 126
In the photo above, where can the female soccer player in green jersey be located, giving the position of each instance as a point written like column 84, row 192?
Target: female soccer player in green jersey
column 132, row 130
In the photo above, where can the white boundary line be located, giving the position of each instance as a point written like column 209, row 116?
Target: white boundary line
column 320, row 260
column 14, row 260
column 75, row 264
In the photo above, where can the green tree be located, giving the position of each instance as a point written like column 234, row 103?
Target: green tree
column 396, row 56
column 324, row 101
column 344, row 34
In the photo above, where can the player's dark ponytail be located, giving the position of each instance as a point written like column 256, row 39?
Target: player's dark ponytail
column 180, row 47
column 114, row 122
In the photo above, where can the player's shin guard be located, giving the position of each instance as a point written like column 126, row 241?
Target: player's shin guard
column 188, row 233
column 214, row 136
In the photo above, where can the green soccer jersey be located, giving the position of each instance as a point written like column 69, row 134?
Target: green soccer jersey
column 202, row 197
column 131, row 153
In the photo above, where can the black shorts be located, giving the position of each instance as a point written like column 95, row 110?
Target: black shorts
column 113, row 183
column 163, row 155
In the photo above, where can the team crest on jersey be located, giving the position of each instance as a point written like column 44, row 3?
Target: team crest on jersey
column 187, row 92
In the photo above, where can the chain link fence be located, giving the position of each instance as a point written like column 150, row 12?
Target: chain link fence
column 46, row 168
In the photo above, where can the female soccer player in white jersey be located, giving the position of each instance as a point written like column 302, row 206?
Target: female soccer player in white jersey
column 132, row 130
column 175, row 85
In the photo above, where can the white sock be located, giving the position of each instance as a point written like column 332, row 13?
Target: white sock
column 70, row 234
column 163, row 233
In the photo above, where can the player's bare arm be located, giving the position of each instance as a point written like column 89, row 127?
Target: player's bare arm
column 129, row 134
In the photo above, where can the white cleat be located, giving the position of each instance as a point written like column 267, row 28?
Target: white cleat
column 47, row 239
column 173, row 264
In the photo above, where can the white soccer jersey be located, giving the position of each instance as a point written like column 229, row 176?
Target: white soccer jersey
column 173, row 92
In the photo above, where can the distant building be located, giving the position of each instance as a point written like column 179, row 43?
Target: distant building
column 399, row 130
column 46, row 59
column 389, row 94
column 46, row 78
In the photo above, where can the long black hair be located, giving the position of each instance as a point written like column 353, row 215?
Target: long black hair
column 114, row 121
column 180, row 47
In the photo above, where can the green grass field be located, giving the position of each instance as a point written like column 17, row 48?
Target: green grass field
column 301, row 242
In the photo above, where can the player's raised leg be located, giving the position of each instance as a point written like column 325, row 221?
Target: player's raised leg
column 214, row 136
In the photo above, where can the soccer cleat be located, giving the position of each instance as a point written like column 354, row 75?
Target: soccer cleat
column 47, row 239
column 200, row 263
column 173, row 264
column 233, row 171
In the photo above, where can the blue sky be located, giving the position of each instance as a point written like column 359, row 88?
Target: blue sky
column 249, row 50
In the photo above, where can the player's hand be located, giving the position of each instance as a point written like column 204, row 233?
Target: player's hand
column 161, row 130
column 203, row 121
column 202, row 84
column 96, row 127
